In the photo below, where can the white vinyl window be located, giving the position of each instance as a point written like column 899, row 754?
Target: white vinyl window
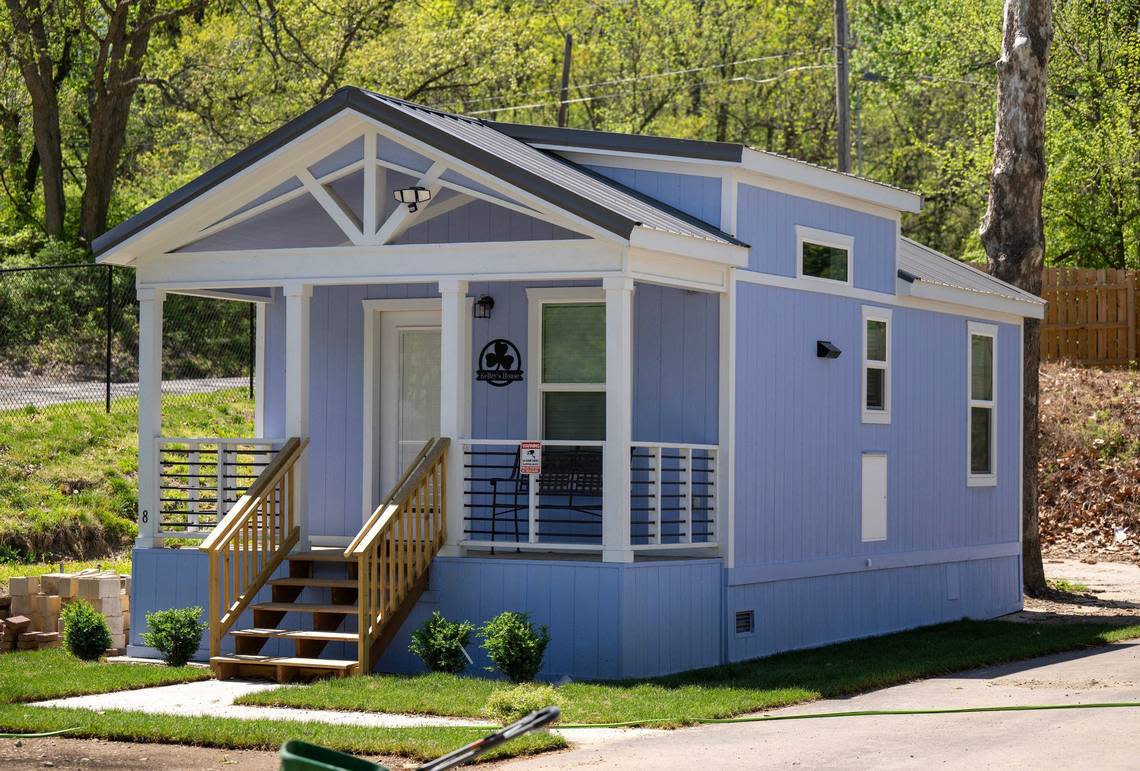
column 823, row 255
column 568, row 364
column 981, row 431
column 876, row 373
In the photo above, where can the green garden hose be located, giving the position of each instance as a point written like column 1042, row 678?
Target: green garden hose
column 38, row 736
column 855, row 713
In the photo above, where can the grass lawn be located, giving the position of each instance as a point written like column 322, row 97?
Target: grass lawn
column 68, row 471
column 28, row 676
column 725, row 691
column 54, row 673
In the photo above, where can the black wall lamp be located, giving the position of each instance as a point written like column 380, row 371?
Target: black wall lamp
column 483, row 307
column 413, row 197
column 825, row 350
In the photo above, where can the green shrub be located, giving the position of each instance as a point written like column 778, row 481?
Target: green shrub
column 439, row 642
column 85, row 631
column 515, row 646
column 175, row 633
column 506, row 705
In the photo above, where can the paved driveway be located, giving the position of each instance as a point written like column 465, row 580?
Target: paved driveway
column 1077, row 738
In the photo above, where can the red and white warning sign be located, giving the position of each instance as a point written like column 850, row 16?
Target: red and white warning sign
column 530, row 458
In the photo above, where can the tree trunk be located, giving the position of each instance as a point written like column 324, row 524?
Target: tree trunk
column 1012, row 229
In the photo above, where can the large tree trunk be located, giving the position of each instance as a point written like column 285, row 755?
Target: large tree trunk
column 1012, row 229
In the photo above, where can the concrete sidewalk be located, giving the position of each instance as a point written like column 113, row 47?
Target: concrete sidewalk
column 1078, row 738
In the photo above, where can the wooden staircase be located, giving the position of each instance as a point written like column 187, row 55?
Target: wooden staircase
column 358, row 597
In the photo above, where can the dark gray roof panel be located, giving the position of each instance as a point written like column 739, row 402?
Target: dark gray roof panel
column 608, row 140
column 566, row 185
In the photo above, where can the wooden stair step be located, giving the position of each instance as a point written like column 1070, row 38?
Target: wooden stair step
column 296, row 634
column 341, row 665
column 306, row 607
column 319, row 555
column 317, row 583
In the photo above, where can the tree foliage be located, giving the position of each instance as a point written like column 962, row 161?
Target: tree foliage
column 213, row 76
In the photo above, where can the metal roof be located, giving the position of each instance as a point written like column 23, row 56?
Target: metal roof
column 928, row 266
column 605, row 203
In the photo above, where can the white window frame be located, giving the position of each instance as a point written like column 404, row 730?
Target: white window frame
column 843, row 241
column 976, row 329
column 883, row 416
column 536, row 299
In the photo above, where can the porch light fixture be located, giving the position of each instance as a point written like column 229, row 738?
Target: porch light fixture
column 824, row 349
column 483, row 307
column 413, row 197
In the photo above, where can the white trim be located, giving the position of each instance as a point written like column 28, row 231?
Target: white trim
column 866, row 295
column 726, row 433
column 883, row 416
column 370, row 392
column 834, row 181
column 694, row 247
column 150, row 415
column 729, row 189
column 297, row 384
column 259, row 370
column 927, row 290
column 336, row 208
column 616, row 473
column 831, row 240
column 371, row 187
column 975, row 329
column 219, row 294
column 1021, row 462
column 402, row 217
column 536, row 298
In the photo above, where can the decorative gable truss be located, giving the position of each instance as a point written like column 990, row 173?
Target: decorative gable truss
column 347, row 198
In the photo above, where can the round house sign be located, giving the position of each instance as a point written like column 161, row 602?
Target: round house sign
column 500, row 363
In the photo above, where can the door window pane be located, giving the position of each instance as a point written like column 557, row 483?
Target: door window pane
column 574, row 343
column 419, row 390
column 982, row 368
column 981, row 461
column 824, row 261
column 574, row 415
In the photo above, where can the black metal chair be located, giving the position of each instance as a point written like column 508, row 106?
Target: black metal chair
column 573, row 473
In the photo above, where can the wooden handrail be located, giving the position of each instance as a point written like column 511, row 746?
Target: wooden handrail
column 253, row 538
column 397, row 544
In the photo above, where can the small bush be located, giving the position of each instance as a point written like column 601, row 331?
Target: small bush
column 175, row 633
column 506, row 705
column 439, row 642
column 515, row 646
column 85, row 631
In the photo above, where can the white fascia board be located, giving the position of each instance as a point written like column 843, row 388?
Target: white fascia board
column 361, row 264
column 688, row 246
column 825, row 179
column 181, row 225
column 220, row 294
column 669, row 270
column 923, row 290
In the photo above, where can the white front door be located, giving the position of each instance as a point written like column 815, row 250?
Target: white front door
column 409, row 388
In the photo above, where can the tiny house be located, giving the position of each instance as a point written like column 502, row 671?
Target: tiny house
column 683, row 402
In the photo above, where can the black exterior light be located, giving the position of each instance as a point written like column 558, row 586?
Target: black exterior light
column 413, row 197
column 825, row 350
column 483, row 307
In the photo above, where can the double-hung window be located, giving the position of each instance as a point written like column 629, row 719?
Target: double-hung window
column 569, row 393
column 981, row 424
column 876, row 364
column 823, row 255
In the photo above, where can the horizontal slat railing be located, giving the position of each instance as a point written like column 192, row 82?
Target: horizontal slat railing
column 253, row 538
column 395, row 547
column 201, row 477
column 674, row 494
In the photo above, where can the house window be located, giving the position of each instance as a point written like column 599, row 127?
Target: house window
column 823, row 255
column 572, row 390
column 876, row 365
column 981, row 424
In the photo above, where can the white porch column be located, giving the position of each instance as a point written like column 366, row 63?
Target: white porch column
column 150, row 413
column 297, row 392
column 619, row 420
column 454, row 330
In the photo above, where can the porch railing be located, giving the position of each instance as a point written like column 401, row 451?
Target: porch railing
column 201, row 478
column 397, row 544
column 252, row 539
column 673, row 496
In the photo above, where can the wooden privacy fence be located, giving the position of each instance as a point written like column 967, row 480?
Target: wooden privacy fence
column 1091, row 316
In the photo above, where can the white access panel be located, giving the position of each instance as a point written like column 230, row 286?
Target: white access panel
column 874, row 496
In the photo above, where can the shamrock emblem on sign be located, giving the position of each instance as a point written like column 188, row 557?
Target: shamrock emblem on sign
column 500, row 363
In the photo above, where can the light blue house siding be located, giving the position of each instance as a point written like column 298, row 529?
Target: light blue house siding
column 800, row 563
column 695, row 195
column 767, row 220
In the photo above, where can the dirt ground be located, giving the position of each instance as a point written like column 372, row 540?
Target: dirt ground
column 85, row 754
column 1112, row 593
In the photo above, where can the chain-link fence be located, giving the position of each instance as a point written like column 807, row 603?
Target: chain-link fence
column 69, row 341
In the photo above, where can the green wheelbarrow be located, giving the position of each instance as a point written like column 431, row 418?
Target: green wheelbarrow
column 301, row 756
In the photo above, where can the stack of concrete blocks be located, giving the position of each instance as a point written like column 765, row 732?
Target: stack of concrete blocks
column 38, row 601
